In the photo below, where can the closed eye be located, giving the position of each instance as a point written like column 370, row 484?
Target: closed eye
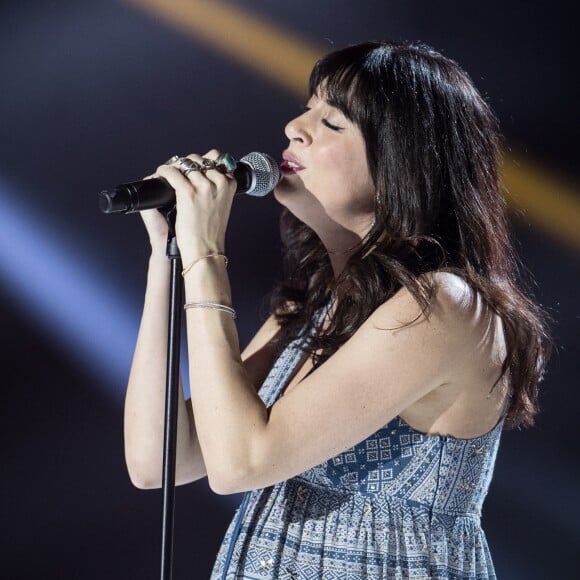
column 326, row 123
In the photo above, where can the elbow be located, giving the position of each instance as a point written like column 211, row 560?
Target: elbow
column 223, row 485
column 228, row 482
column 220, row 488
column 238, row 473
column 143, row 478
column 144, row 483
column 150, row 477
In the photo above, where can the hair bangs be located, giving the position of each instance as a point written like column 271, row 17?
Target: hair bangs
column 340, row 82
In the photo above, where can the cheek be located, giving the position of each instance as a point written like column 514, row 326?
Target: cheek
column 337, row 156
column 347, row 164
column 357, row 184
column 337, row 170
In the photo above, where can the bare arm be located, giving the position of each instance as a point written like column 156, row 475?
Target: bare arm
column 397, row 357
column 145, row 398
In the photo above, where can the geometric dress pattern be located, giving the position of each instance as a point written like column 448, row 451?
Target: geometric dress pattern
column 398, row 505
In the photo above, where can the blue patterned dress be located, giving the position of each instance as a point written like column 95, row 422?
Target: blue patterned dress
column 400, row 504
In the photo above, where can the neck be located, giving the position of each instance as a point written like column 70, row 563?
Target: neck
column 338, row 260
column 341, row 242
column 341, row 248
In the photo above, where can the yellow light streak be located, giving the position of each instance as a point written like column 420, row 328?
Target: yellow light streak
column 287, row 60
column 547, row 201
column 245, row 38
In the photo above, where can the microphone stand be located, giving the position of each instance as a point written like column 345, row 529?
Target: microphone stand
column 171, row 397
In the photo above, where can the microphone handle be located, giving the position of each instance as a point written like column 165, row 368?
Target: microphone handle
column 137, row 196
column 157, row 193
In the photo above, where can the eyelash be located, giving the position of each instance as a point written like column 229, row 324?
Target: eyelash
column 331, row 126
column 325, row 122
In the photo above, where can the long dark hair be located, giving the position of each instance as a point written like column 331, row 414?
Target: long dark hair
column 432, row 146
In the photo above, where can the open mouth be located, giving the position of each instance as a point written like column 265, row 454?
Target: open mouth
column 289, row 164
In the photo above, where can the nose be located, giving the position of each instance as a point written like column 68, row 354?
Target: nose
column 297, row 130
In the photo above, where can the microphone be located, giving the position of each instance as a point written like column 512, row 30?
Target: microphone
column 256, row 174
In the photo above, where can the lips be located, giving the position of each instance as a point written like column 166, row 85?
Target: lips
column 290, row 164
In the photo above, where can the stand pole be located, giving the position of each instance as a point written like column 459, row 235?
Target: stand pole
column 171, row 400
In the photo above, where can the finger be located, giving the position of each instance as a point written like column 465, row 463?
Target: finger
column 170, row 161
column 176, row 179
column 203, row 165
column 205, row 179
column 219, row 178
column 184, row 163
column 225, row 162
column 213, row 154
column 209, row 180
column 195, row 173
column 195, row 157
column 192, row 169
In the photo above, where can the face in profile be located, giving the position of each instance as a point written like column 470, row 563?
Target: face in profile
column 326, row 180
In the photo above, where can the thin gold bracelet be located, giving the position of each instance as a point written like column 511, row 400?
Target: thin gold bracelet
column 192, row 264
column 211, row 306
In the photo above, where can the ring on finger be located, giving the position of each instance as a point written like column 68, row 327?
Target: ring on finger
column 186, row 165
column 208, row 164
column 171, row 160
column 225, row 162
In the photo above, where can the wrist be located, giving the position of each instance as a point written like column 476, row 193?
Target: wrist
column 192, row 247
column 208, row 281
column 199, row 253
column 187, row 267
column 158, row 258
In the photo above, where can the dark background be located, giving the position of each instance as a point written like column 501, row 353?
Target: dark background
column 98, row 93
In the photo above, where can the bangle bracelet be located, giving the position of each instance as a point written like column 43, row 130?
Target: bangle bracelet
column 192, row 264
column 211, row 306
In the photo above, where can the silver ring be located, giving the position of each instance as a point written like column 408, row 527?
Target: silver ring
column 171, row 160
column 187, row 165
column 208, row 164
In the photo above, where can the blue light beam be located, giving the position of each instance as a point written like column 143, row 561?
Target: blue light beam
column 86, row 314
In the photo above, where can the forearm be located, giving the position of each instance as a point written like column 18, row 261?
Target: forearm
column 145, row 398
column 229, row 415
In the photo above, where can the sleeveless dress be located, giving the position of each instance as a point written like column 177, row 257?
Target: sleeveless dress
column 400, row 504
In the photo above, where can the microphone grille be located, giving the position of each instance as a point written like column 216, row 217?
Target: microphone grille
column 266, row 173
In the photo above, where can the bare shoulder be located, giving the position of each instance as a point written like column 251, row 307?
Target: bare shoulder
column 454, row 305
column 474, row 317
column 456, row 308
column 464, row 405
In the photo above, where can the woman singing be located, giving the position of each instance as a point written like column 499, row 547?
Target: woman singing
column 363, row 419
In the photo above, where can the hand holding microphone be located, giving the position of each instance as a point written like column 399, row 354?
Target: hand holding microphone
column 255, row 174
column 201, row 188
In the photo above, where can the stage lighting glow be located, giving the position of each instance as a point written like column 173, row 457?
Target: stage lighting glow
column 86, row 314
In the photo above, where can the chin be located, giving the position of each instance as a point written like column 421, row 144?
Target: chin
column 279, row 195
column 285, row 190
column 298, row 206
